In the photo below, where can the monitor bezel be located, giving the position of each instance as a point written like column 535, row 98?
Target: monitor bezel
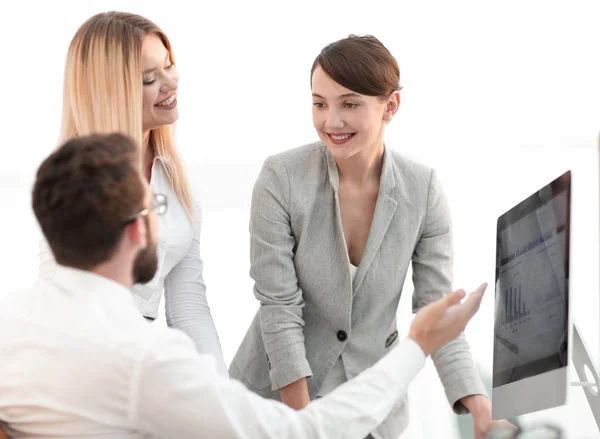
column 523, row 395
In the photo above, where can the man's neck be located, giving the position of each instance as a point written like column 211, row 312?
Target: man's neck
column 116, row 271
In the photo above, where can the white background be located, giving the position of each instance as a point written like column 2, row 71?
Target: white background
column 500, row 97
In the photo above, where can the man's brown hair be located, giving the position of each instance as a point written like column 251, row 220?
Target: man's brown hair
column 83, row 193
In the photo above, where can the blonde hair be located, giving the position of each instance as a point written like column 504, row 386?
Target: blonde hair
column 103, row 89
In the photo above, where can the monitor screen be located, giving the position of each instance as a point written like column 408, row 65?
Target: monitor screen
column 532, row 288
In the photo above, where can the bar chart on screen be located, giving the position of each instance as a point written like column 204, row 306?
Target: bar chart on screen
column 515, row 310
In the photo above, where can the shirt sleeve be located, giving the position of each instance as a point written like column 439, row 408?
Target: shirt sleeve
column 180, row 395
column 186, row 303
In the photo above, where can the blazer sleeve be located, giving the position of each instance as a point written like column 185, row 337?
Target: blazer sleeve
column 432, row 264
column 186, row 302
column 275, row 283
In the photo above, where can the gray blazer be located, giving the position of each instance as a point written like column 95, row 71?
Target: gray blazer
column 311, row 311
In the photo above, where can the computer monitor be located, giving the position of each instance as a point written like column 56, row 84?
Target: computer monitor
column 531, row 315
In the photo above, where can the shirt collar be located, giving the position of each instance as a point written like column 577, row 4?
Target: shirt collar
column 160, row 159
column 78, row 282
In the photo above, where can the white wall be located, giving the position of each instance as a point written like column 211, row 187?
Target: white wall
column 500, row 97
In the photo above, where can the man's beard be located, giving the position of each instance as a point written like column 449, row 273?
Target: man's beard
column 146, row 263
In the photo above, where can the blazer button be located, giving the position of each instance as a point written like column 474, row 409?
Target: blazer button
column 342, row 336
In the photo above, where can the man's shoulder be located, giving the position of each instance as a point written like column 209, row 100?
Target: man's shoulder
column 12, row 301
column 165, row 349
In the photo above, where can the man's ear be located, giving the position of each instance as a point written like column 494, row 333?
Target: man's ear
column 137, row 233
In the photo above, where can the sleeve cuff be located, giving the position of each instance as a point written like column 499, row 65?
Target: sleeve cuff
column 288, row 371
column 462, row 388
column 413, row 352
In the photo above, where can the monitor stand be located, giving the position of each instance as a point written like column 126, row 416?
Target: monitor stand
column 581, row 359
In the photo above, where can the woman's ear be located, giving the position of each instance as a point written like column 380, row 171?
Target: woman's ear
column 392, row 105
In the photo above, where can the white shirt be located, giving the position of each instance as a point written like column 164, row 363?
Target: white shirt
column 179, row 272
column 78, row 360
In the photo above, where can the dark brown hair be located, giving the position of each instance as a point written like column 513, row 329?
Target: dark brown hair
column 361, row 64
column 82, row 194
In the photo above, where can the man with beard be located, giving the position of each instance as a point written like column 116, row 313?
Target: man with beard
column 78, row 360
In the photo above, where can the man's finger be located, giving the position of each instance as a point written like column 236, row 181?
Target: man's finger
column 474, row 300
column 442, row 305
column 453, row 298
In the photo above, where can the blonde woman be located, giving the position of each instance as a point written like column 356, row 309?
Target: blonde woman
column 120, row 76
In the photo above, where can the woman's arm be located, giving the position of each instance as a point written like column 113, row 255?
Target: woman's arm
column 432, row 264
column 276, row 285
column 186, row 304
column 295, row 395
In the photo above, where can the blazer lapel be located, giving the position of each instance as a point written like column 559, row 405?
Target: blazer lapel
column 385, row 209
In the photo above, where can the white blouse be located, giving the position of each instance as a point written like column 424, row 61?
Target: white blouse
column 179, row 273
